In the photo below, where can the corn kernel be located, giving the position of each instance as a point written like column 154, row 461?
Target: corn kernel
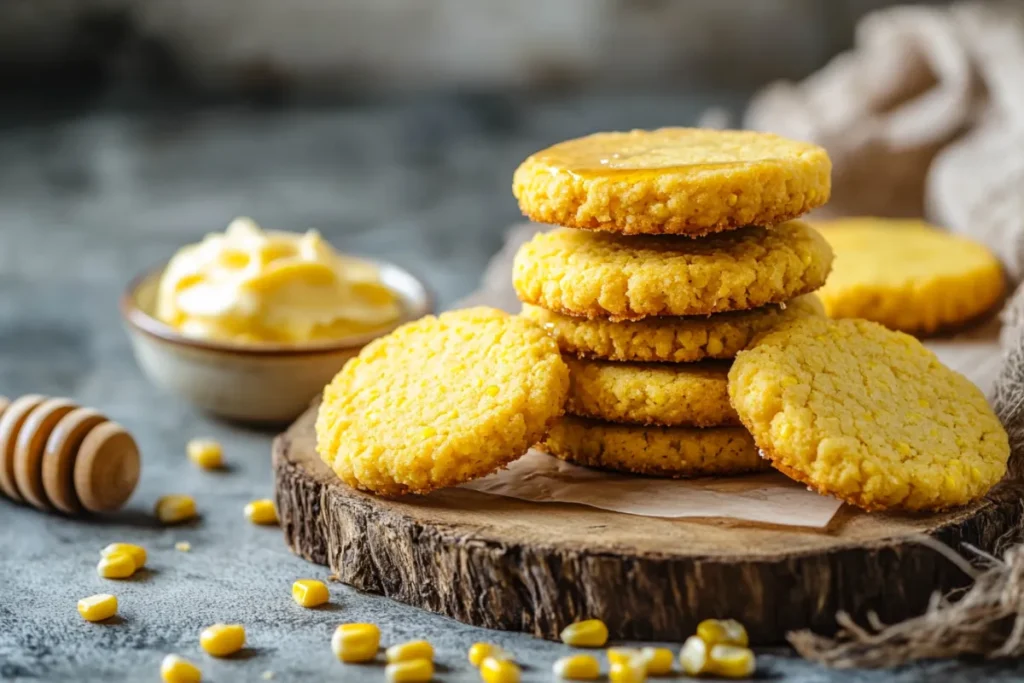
column 355, row 642
column 659, row 660
column 175, row 669
column 409, row 671
column 222, row 640
column 175, row 508
column 205, row 453
column 633, row 670
column 478, row 652
column 694, row 656
column 310, row 592
column 414, row 649
column 722, row 632
column 116, row 566
column 97, row 607
column 495, row 670
column 492, row 390
column 588, row 633
column 428, row 432
column 621, row 655
column 577, row 668
column 261, row 511
column 731, row 661
column 183, row 546
column 137, row 552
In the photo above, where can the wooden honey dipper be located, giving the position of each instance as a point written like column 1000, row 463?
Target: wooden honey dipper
column 56, row 454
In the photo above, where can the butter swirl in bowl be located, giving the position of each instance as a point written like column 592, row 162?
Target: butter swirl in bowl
column 250, row 324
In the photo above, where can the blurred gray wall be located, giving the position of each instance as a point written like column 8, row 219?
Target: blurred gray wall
column 354, row 45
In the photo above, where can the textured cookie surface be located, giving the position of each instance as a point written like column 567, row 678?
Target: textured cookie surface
column 672, row 339
column 441, row 401
column 908, row 275
column 673, row 181
column 658, row 451
column 868, row 415
column 670, row 395
column 591, row 274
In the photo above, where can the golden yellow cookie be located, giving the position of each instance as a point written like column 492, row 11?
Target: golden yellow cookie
column 670, row 395
column 868, row 415
column 659, row 451
column 441, row 401
column 682, row 181
column 669, row 340
column 908, row 275
column 592, row 274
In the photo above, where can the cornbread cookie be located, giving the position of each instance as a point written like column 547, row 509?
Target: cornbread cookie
column 591, row 274
column 441, row 401
column 683, row 181
column 670, row 340
column 693, row 394
column 868, row 415
column 908, row 275
column 676, row 452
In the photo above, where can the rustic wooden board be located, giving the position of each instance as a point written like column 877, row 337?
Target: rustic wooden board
column 515, row 565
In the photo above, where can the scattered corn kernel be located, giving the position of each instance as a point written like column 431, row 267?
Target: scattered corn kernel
column 577, row 668
column 731, row 661
column 175, row 669
column 183, row 546
column 116, row 566
column 478, row 652
column 659, row 660
column 633, row 670
column 621, row 655
column 97, row 607
column 205, row 453
column 261, row 511
column 409, row 671
column 310, row 592
column 694, row 656
column 355, row 642
column 267, row 675
column 588, row 633
column 495, row 670
column 137, row 552
column 414, row 649
column 222, row 640
column 175, row 508
column 722, row 632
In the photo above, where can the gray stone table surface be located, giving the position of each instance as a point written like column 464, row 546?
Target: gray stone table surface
column 90, row 198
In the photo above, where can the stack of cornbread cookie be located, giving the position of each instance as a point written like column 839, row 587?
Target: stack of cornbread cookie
column 678, row 248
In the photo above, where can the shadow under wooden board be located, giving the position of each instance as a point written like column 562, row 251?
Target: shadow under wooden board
column 516, row 565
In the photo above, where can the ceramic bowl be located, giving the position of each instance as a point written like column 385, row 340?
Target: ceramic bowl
column 250, row 383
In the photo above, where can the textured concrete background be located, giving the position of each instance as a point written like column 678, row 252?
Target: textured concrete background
column 89, row 199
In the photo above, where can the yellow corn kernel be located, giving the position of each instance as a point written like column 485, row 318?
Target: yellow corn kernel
column 409, row 671
column 659, row 660
column 137, row 552
column 183, row 546
column 588, row 633
column 633, row 670
column 97, row 607
column 175, row 669
column 495, row 670
column 116, row 566
column 577, row 668
column 621, row 655
column 205, row 453
column 261, row 511
column 175, row 508
column 355, row 642
column 694, row 656
column 222, row 640
column 492, row 390
column 722, row 632
column 731, row 661
column 414, row 649
column 427, row 432
column 478, row 652
column 310, row 592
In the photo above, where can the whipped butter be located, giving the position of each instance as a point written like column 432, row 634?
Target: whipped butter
column 252, row 285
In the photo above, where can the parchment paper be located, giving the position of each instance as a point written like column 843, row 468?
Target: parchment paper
column 768, row 498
